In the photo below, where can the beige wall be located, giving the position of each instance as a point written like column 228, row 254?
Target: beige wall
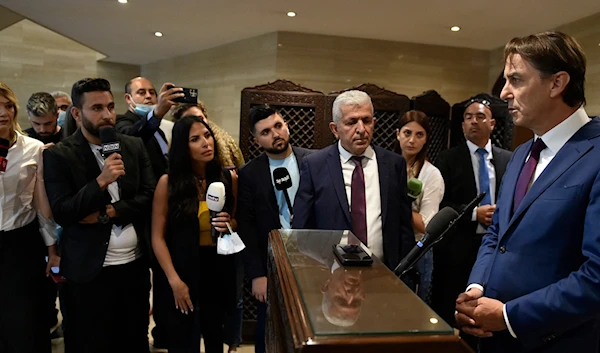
column 587, row 33
column 34, row 59
column 329, row 63
column 220, row 74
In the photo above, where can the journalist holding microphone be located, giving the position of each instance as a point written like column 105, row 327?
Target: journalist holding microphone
column 201, row 282
column 27, row 235
column 100, row 187
column 413, row 136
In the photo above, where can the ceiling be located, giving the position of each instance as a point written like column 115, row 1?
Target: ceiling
column 125, row 32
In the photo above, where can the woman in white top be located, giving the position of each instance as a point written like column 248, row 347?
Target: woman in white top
column 413, row 135
column 27, row 235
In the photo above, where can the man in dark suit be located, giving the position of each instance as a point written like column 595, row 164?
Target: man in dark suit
column 102, row 205
column 466, row 174
column 535, row 285
column 143, row 119
column 335, row 181
column 261, row 207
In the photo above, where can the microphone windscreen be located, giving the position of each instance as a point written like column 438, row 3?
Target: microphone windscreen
column 282, row 178
column 415, row 187
column 108, row 135
column 440, row 222
column 4, row 146
column 215, row 196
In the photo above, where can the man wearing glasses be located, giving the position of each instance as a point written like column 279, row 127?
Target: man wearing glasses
column 468, row 169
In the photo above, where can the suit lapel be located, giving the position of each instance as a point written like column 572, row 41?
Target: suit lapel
column 499, row 166
column 265, row 174
column 384, row 182
column 334, row 165
column 467, row 166
column 88, row 164
column 511, row 179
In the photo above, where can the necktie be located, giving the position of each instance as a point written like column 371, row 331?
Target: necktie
column 527, row 173
column 358, row 201
column 484, row 177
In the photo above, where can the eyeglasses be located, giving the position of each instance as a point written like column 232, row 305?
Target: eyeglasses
column 63, row 107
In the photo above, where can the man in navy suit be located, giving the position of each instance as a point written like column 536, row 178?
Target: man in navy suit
column 353, row 185
column 536, row 283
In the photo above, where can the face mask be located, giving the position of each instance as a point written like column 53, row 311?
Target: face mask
column 62, row 117
column 143, row 109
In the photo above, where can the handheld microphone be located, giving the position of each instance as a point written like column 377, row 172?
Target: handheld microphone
column 283, row 181
column 439, row 225
column 4, row 146
column 215, row 200
column 110, row 143
column 468, row 209
column 415, row 187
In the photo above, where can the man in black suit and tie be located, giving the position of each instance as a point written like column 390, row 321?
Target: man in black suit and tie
column 102, row 205
column 261, row 207
column 468, row 169
column 335, row 182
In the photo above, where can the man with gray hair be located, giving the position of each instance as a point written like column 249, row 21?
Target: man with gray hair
column 334, row 183
column 63, row 100
column 42, row 111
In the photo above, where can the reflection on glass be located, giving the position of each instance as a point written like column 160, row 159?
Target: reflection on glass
column 343, row 295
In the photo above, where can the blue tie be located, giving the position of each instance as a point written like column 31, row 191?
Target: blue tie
column 484, row 177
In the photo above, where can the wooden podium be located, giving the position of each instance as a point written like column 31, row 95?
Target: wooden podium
column 316, row 305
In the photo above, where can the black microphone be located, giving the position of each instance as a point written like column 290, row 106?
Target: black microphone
column 468, row 209
column 439, row 225
column 110, row 143
column 4, row 146
column 283, row 181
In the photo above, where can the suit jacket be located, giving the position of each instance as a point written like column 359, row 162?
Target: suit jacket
column 70, row 172
column 543, row 262
column 459, row 178
column 321, row 201
column 134, row 125
column 257, row 211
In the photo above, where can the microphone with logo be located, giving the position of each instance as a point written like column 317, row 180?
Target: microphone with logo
column 415, row 188
column 283, row 181
column 215, row 200
column 110, row 143
column 4, row 145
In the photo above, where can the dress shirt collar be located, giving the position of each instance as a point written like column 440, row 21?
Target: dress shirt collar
column 369, row 153
column 556, row 138
column 473, row 148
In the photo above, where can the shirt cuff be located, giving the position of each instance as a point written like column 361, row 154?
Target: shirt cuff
column 474, row 216
column 150, row 115
column 474, row 285
column 512, row 333
column 48, row 230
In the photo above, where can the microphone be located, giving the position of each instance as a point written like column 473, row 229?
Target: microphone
column 283, row 181
column 4, row 146
column 215, row 200
column 415, row 187
column 439, row 225
column 110, row 143
column 468, row 209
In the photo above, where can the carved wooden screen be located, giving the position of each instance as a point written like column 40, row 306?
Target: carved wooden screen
column 502, row 135
column 389, row 107
column 438, row 111
column 302, row 108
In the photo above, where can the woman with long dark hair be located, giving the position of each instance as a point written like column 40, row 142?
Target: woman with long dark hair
column 413, row 136
column 202, row 282
column 27, row 234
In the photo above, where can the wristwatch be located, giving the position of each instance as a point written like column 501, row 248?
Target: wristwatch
column 103, row 217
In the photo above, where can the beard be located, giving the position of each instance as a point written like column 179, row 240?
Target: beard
column 278, row 150
column 46, row 138
column 95, row 129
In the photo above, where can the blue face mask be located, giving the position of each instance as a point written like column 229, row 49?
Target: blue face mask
column 143, row 109
column 62, row 117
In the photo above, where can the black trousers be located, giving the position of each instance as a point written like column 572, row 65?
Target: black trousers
column 23, row 306
column 110, row 313
column 213, row 297
column 160, row 306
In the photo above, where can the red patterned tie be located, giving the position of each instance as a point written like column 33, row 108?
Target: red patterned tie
column 358, row 204
column 527, row 173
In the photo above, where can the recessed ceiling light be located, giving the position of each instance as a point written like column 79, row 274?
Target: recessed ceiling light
column 291, row 14
column 455, row 28
column 158, row 34
column 123, row 1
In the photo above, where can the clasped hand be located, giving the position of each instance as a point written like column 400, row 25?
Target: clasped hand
column 478, row 315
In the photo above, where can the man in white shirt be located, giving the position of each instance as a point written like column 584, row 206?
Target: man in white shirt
column 534, row 286
column 335, row 183
column 102, row 202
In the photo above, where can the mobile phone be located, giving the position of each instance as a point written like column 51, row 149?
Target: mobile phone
column 190, row 95
column 352, row 255
column 55, row 274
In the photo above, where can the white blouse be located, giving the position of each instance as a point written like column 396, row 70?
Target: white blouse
column 17, row 189
column 428, row 203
